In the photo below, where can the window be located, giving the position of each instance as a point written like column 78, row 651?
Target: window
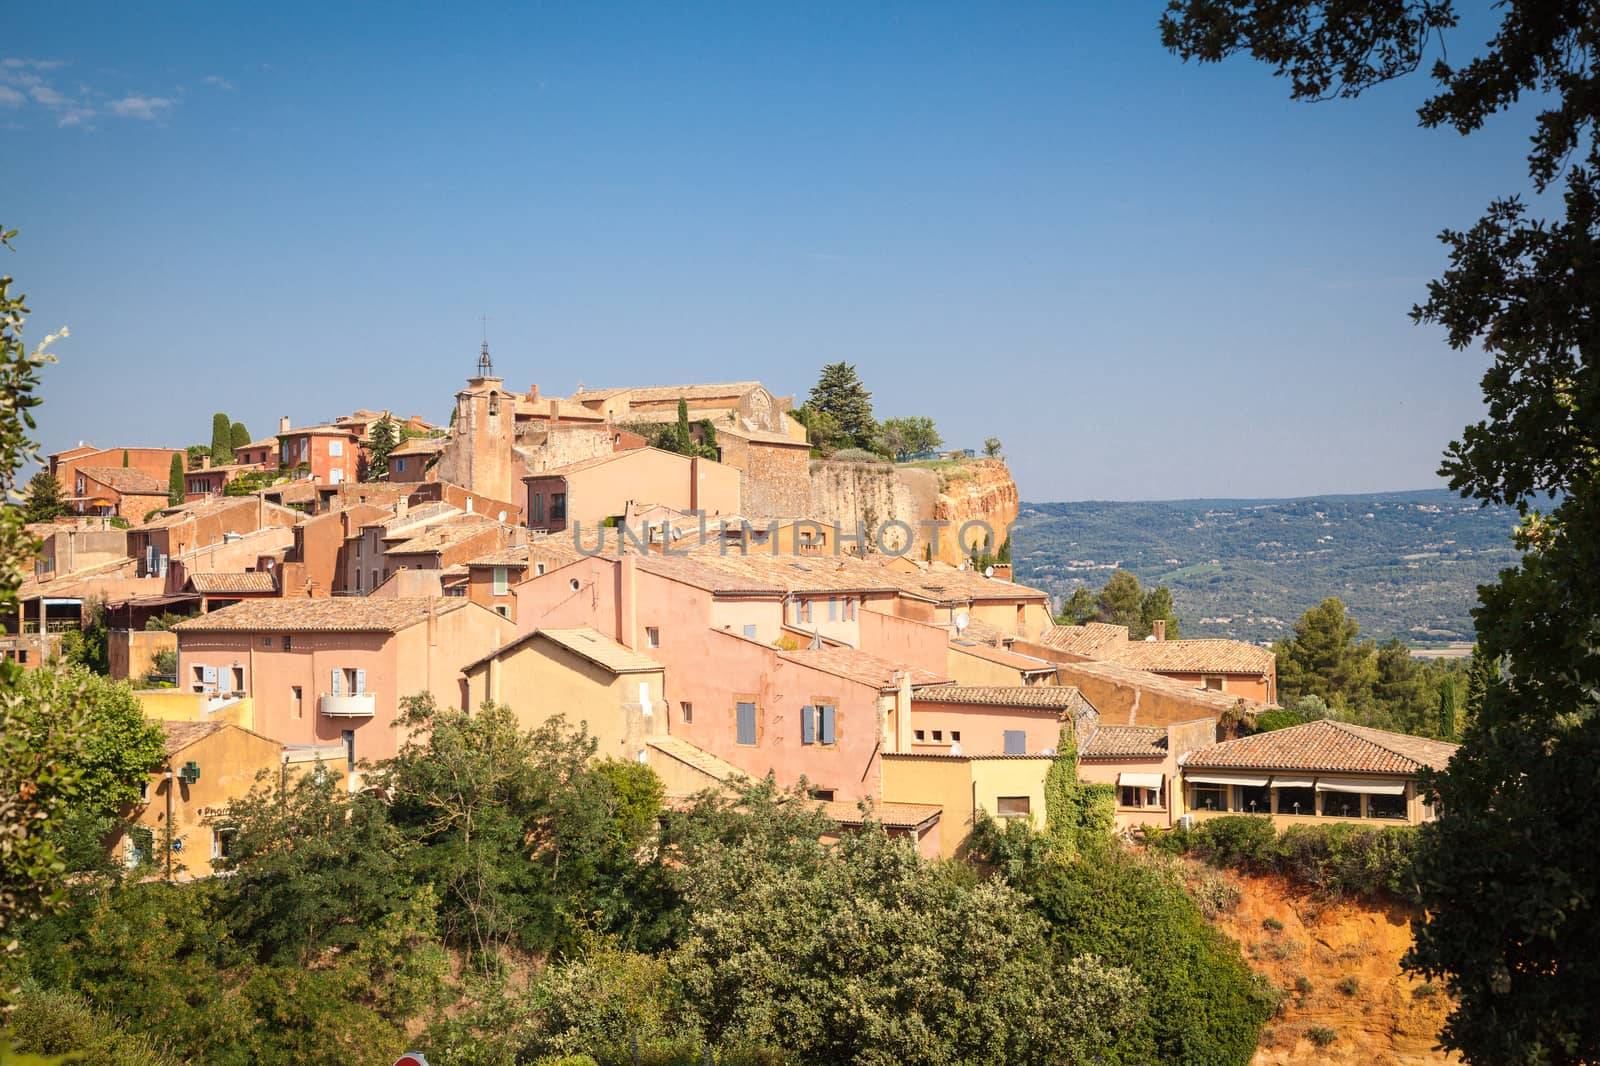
column 955, row 736
column 750, row 632
column 823, row 794
column 538, row 569
column 558, row 507
column 833, row 608
column 938, row 736
column 645, row 701
column 1013, row 806
column 500, row 584
column 1016, row 742
column 816, row 723
column 336, row 448
column 825, row 721
column 1297, row 801
column 1208, row 797
column 266, row 642
column 1214, row 683
column 1135, row 796
column 222, row 843
column 1341, row 804
column 686, row 712
column 375, row 581
column 805, row 610
column 288, row 642
column 400, row 465
column 536, row 509
column 358, row 580
column 917, row 735
column 745, row 722
column 652, row 636
column 22, row 656
column 1252, row 799
column 502, row 610
column 348, row 737
column 297, row 701
column 1386, row 807
column 144, row 790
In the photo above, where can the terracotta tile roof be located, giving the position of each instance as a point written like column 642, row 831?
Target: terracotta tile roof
column 1087, row 639
column 698, row 758
column 173, row 516
column 743, row 429
column 697, row 573
column 948, row 584
column 319, row 431
column 125, row 480
column 212, row 583
column 1001, row 657
column 1325, row 745
column 1197, row 656
column 601, row 650
column 1050, row 697
column 264, row 442
column 419, row 446
column 802, row 574
column 860, row 667
column 1126, row 741
column 1189, row 692
column 338, row 614
column 181, row 734
column 515, row 557
column 444, row 535
column 963, row 757
column 889, row 815
column 979, row 632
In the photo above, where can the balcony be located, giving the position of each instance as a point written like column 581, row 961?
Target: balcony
column 358, row 706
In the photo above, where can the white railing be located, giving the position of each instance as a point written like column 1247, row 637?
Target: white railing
column 361, row 705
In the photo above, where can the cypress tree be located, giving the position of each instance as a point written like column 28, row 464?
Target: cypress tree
column 175, row 481
column 124, row 457
column 238, row 436
column 1447, row 709
column 221, row 439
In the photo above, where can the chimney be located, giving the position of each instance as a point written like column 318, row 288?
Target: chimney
column 627, row 599
column 283, row 424
column 1158, row 629
column 205, row 462
column 533, row 394
column 555, row 413
column 694, row 483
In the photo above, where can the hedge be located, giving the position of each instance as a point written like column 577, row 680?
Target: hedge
column 1335, row 860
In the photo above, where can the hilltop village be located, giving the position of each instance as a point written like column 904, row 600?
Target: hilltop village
column 750, row 608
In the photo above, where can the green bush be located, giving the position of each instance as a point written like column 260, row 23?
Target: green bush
column 1349, row 984
column 1215, row 894
column 1321, row 1035
column 1267, row 721
column 1426, row 990
column 1272, row 925
column 52, row 1022
column 1302, row 985
column 1243, row 841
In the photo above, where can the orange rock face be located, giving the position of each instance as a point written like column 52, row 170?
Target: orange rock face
column 987, row 495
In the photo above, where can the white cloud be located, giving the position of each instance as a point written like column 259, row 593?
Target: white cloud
column 140, row 107
column 16, row 63
column 219, row 82
column 9, row 97
column 48, row 96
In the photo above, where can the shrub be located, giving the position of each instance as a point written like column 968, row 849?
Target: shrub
column 1425, row 990
column 1166, row 841
column 1243, row 841
column 1321, row 1035
column 1272, row 924
column 1303, row 985
column 1215, row 894
column 1267, row 721
column 1348, row 860
column 53, row 1022
column 859, row 455
column 1349, row 984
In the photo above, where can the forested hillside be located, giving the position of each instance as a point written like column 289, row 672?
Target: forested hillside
column 1406, row 564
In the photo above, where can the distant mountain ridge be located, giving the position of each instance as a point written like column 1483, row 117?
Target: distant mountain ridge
column 1407, row 564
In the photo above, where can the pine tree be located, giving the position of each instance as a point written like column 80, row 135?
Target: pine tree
column 1120, row 603
column 1077, row 608
column 175, row 491
column 238, row 436
column 1157, row 607
column 1326, row 658
column 840, row 395
column 43, row 502
column 221, row 440
column 382, row 439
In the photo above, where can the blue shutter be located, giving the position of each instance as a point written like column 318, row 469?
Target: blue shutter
column 827, row 723
column 337, row 684
column 1016, row 742
column 750, row 632
column 361, row 683
column 808, row 724
column 747, row 723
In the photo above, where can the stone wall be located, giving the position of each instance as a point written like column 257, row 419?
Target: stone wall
column 848, row 492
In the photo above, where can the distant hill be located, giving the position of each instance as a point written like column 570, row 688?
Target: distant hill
column 1407, row 564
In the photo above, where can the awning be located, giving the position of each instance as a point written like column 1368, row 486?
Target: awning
column 1248, row 780
column 1293, row 782
column 1356, row 784
column 1141, row 780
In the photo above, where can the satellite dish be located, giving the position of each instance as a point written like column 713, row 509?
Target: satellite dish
column 963, row 620
column 502, row 516
column 988, row 571
column 1151, row 639
column 955, row 747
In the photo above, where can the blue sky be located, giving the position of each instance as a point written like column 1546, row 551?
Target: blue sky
column 1150, row 280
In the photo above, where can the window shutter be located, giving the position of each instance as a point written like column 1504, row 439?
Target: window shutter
column 750, row 632
column 361, row 683
column 1016, row 742
column 827, row 723
column 336, row 686
column 747, row 723
column 808, row 724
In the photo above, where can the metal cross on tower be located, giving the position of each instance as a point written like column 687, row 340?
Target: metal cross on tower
column 485, row 364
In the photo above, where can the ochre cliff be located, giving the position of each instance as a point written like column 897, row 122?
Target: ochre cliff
column 1338, row 965
column 873, row 494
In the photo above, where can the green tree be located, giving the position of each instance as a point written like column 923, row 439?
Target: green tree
column 221, row 440
column 175, row 486
column 1325, row 658
column 43, row 502
column 1078, row 815
column 382, row 439
column 1077, row 608
column 991, row 447
column 238, row 436
column 840, row 396
column 1447, row 709
column 901, row 437
column 1523, row 291
column 124, row 457
column 90, row 646
column 1120, row 602
column 1156, row 607
column 1404, row 695
column 194, row 453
